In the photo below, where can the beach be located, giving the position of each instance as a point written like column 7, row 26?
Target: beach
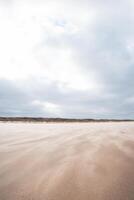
column 67, row 161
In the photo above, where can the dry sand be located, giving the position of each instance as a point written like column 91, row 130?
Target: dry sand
column 67, row 161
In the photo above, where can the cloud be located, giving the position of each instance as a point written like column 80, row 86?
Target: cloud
column 67, row 59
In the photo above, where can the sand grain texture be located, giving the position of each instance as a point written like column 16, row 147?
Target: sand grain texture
column 67, row 161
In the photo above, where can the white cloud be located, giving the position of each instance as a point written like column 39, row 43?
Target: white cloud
column 24, row 49
column 48, row 107
column 84, row 49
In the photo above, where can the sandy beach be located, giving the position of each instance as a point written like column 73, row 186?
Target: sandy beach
column 67, row 161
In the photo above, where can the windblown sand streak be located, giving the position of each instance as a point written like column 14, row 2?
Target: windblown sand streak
column 67, row 161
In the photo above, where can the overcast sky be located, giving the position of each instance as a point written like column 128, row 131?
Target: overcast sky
column 67, row 58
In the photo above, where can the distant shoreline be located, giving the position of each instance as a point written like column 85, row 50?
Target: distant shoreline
column 36, row 119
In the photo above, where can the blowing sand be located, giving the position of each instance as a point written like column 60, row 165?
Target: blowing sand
column 67, row 161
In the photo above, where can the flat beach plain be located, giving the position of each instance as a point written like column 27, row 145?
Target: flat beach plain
column 67, row 161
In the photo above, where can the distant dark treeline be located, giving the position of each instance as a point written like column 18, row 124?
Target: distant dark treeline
column 36, row 119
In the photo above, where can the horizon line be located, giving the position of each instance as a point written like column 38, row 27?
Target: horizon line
column 56, row 119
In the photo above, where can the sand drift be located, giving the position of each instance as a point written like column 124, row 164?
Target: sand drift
column 67, row 161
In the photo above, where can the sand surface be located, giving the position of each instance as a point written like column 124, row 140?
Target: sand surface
column 67, row 161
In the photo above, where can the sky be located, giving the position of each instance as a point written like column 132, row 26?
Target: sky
column 69, row 59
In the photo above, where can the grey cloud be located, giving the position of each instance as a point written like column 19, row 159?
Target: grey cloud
column 102, row 49
column 17, row 102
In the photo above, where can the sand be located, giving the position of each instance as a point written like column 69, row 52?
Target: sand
column 67, row 161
